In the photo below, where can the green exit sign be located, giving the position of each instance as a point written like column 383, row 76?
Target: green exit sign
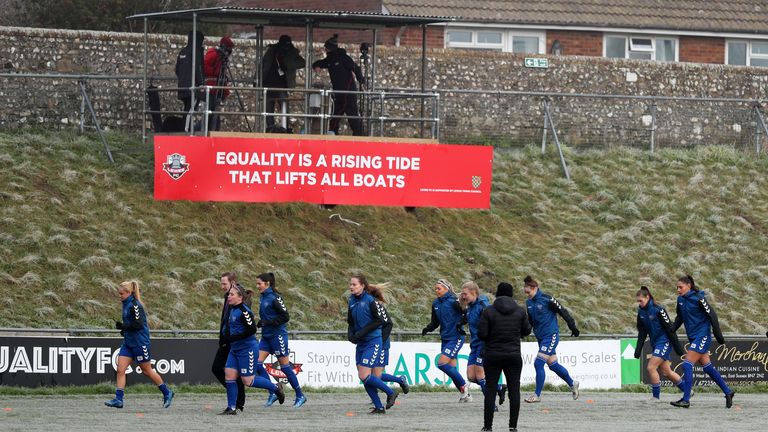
column 532, row 62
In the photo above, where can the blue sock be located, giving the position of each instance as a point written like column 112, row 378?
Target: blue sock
column 292, row 380
column 656, row 390
column 561, row 372
column 262, row 372
column 681, row 384
column 231, row 393
column 377, row 383
column 538, row 364
column 261, row 382
column 164, row 388
column 371, row 390
column 452, row 372
column 481, row 383
column 391, row 378
column 687, row 380
column 119, row 393
column 715, row 375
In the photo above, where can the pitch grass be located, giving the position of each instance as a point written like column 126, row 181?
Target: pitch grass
column 72, row 226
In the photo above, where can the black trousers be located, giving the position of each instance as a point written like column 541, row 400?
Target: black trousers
column 346, row 104
column 218, row 371
column 187, row 101
column 511, row 365
column 272, row 103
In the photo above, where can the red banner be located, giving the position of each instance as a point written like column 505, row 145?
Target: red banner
column 322, row 172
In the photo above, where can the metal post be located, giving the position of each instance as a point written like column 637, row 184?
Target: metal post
column 546, row 126
column 308, row 76
column 423, row 72
column 381, row 114
column 189, row 124
column 261, row 102
column 207, row 110
column 82, row 115
column 372, row 84
column 653, row 126
column 759, row 127
column 95, row 120
column 264, row 111
column 436, row 116
column 144, row 86
column 557, row 141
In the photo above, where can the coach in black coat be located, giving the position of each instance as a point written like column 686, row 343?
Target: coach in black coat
column 501, row 327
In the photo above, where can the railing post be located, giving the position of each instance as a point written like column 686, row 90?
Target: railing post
column 546, row 125
column 557, row 141
column 653, row 126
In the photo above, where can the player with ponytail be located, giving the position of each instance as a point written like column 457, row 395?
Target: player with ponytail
column 136, row 344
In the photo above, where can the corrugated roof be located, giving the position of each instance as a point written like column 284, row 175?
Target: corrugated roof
column 292, row 17
column 738, row 16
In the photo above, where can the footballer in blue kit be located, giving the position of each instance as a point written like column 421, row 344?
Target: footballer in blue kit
column 136, row 344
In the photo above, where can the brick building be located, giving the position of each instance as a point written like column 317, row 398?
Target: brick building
column 731, row 32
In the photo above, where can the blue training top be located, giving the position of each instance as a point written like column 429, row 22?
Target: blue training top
column 364, row 318
column 652, row 318
column 698, row 316
column 135, row 327
column 448, row 315
column 240, row 328
column 474, row 311
column 273, row 314
column 542, row 314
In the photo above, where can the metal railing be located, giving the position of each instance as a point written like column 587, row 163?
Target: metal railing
column 5, row 331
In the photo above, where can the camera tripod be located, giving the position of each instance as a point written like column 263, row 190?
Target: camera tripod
column 365, row 102
column 225, row 76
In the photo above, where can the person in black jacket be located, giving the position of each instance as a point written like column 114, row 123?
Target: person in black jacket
column 279, row 66
column 501, row 327
column 228, row 280
column 343, row 71
column 184, row 70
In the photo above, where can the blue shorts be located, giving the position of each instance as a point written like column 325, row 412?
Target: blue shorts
column 243, row 361
column 367, row 353
column 661, row 350
column 475, row 358
column 700, row 345
column 277, row 345
column 139, row 353
column 548, row 345
column 383, row 359
column 450, row 348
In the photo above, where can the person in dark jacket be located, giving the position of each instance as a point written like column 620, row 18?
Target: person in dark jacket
column 279, row 66
column 343, row 71
column 215, row 69
column 228, row 280
column 448, row 315
column 501, row 327
column 701, row 324
column 653, row 321
column 273, row 317
column 136, row 345
column 184, row 70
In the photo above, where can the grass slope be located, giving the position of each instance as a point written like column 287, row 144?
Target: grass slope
column 72, row 226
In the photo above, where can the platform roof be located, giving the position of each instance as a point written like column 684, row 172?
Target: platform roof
column 292, row 17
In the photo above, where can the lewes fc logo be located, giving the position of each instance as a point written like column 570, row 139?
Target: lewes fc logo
column 274, row 369
column 476, row 181
column 176, row 166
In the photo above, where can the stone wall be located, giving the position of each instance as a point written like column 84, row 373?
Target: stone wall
column 465, row 117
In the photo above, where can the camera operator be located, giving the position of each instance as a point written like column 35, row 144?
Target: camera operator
column 184, row 71
column 343, row 71
column 279, row 66
column 215, row 67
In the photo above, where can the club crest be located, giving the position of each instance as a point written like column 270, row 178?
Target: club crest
column 176, row 165
column 476, row 181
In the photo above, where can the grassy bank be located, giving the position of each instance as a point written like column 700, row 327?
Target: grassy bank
column 72, row 226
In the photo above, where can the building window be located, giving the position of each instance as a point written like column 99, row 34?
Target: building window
column 747, row 53
column 641, row 47
column 496, row 39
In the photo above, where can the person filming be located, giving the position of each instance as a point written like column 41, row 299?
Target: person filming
column 215, row 67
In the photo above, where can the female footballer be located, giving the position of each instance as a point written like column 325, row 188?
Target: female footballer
column 700, row 323
column 239, row 332
column 364, row 321
column 448, row 315
column 273, row 316
column 136, row 344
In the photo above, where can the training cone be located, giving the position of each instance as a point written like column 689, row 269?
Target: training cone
column 350, row 414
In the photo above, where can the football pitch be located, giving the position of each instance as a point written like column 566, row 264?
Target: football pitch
column 593, row 412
